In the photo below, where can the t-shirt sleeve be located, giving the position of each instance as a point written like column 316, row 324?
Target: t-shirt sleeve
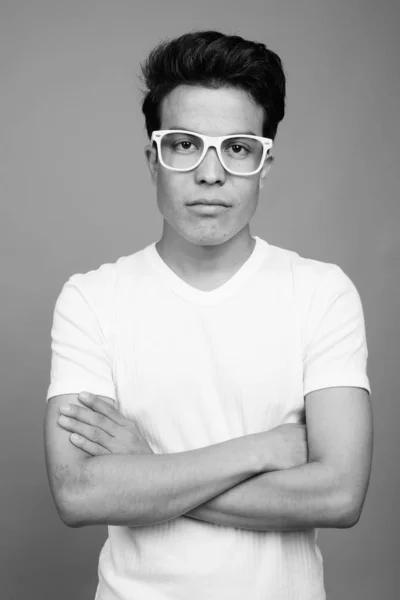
column 336, row 348
column 80, row 355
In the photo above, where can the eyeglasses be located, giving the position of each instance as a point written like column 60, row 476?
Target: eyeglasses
column 181, row 150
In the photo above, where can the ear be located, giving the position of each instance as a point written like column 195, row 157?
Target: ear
column 267, row 165
column 150, row 153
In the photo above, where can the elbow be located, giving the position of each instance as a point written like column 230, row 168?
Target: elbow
column 70, row 494
column 72, row 517
column 69, row 510
column 71, row 521
column 347, row 512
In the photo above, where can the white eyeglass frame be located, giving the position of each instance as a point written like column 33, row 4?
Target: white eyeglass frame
column 211, row 142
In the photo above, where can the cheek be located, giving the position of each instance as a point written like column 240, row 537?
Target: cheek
column 169, row 192
column 246, row 194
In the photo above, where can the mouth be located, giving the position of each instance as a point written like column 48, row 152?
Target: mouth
column 205, row 202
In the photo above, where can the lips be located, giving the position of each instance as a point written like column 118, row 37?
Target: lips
column 205, row 202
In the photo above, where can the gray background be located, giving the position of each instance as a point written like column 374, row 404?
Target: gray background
column 75, row 193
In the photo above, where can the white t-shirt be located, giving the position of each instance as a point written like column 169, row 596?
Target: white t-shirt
column 196, row 368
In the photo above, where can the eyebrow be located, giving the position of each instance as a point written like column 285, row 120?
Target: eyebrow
column 233, row 133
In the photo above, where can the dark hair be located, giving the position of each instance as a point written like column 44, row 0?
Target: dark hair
column 212, row 59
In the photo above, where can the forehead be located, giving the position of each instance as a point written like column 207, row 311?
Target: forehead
column 219, row 111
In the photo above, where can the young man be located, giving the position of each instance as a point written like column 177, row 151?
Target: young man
column 229, row 414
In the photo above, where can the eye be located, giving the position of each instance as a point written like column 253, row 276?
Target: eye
column 185, row 146
column 237, row 148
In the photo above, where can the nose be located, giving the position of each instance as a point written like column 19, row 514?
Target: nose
column 210, row 169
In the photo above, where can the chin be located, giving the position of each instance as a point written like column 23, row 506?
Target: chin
column 208, row 238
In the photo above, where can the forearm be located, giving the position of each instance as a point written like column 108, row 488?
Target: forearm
column 303, row 497
column 144, row 489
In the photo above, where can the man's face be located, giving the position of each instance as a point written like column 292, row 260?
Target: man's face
column 213, row 112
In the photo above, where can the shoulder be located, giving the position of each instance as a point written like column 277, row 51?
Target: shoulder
column 311, row 277
column 319, row 292
column 99, row 289
column 103, row 282
column 102, row 279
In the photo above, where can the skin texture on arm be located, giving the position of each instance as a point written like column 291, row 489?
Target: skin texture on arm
column 143, row 488
column 329, row 491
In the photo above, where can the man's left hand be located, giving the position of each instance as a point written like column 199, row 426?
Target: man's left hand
column 101, row 429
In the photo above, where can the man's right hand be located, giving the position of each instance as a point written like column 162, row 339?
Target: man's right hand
column 286, row 447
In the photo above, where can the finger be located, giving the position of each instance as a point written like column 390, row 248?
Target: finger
column 101, row 406
column 88, row 416
column 88, row 446
column 93, row 434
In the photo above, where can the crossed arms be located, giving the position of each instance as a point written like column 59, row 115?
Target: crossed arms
column 256, row 482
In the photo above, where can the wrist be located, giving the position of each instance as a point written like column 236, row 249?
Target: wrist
column 264, row 451
column 258, row 452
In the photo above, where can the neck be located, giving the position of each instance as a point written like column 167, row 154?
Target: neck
column 205, row 263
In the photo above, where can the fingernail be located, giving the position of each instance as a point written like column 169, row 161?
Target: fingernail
column 63, row 420
column 66, row 409
column 85, row 395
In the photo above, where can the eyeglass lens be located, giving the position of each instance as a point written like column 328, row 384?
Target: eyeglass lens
column 183, row 151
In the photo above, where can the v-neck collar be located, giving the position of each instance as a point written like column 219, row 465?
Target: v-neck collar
column 187, row 291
